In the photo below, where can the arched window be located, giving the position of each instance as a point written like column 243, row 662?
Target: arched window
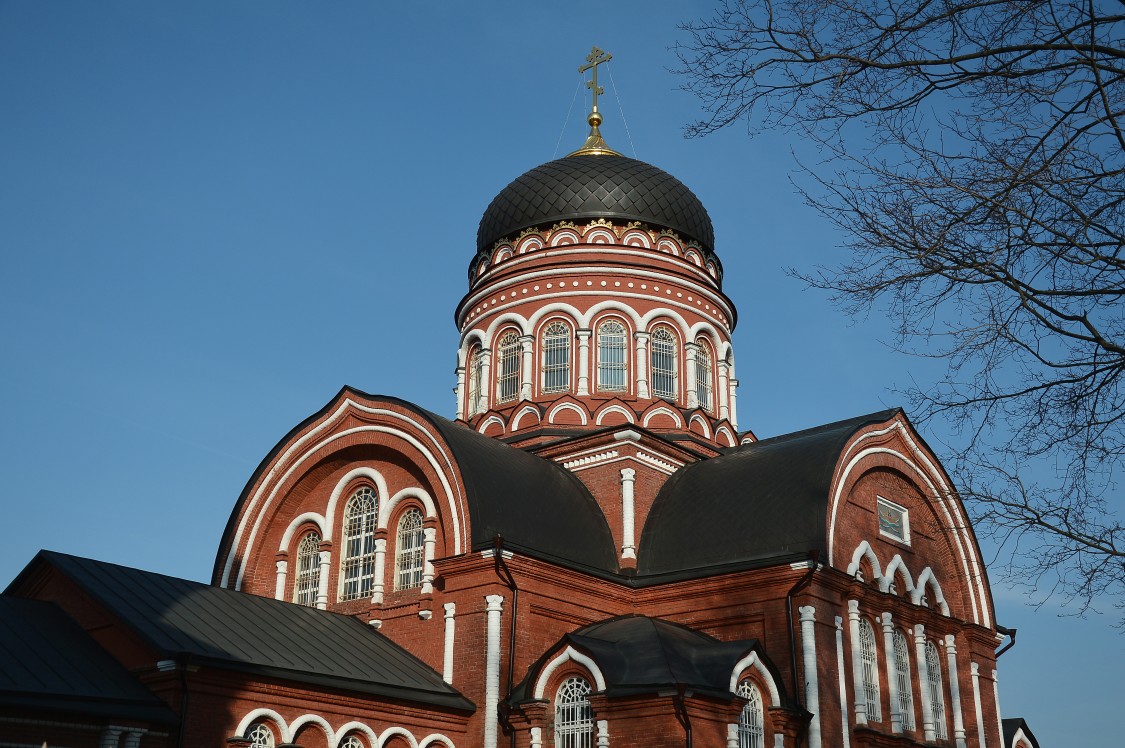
column 477, row 397
column 357, row 568
column 260, row 735
column 352, row 742
column 662, row 363
column 307, row 582
column 410, row 550
column 612, row 357
column 703, row 375
column 902, row 678
column 870, row 670
column 937, row 693
column 574, row 720
column 508, row 373
column 751, row 722
column 556, row 357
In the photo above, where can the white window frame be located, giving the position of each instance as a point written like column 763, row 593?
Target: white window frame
column 556, row 341
column 751, row 720
column 869, row 660
column 613, row 338
column 704, row 371
column 937, row 690
column 357, row 533
column 260, row 735
column 905, row 683
column 410, row 550
column 904, row 514
column 574, row 718
column 306, row 577
column 478, row 396
column 663, row 347
column 508, row 355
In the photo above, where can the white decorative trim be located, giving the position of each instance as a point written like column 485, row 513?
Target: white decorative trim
column 589, row 460
column 567, row 406
column 999, row 720
column 928, row 578
column 662, row 465
column 287, row 537
column 628, row 544
column 841, row 681
column 751, row 660
column 354, row 726
column 489, row 421
column 896, row 564
column 412, row 492
column 629, row 415
column 337, row 493
column 570, row 654
column 730, row 440
column 812, row 684
column 434, row 739
column 492, row 668
column 955, row 691
column 517, row 419
column 449, row 640
column 263, row 713
column 628, row 435
column 662, row 411
column 321, row 722
column 375, row 623
column 974, row 671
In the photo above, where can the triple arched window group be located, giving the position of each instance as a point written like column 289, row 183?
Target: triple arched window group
column 613, row 358
column 357, row 578
column 899, row 669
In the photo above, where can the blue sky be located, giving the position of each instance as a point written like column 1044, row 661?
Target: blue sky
column 214, row 215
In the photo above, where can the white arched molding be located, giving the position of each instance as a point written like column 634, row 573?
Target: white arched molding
column 297, row 523
column 593, row 235
column 928, row 580
column 568, row 314
column 564, row 237
column 359, row 473
column 489, row 421
column 469, row 339
column 701, row 420
column 669, row 245
column 354, row 726
column 897, row 565
column 306, row 447
column 612, row 307
column 527, row 410
column 752, row 661
column 943, row 498
column 314, row 719
column 530, row 244
column 567, row 406
column 629, row 415
column 665, row 316
column 430, row 535
column 508, row 319
column 636, row 238
column 570, row 654
column 261, row 714
column 401, row 732
column 710, row 333
column 862, row 551
column 434, row 739
column 727, row 435
column 663, row 411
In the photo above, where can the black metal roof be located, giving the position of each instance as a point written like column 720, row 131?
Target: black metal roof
column 638, row 654
column 239, row 631
column 49, row 663
column 762, row 500
column 603, row 186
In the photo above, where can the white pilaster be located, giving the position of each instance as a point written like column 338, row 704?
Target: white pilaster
column 447, row 654
column 955, row 691
column 322, row 582
column 892, row 680
column 526, row 366
column 924, row 682
column 628, row 544
column 732, row 736
column 486, row 387
column 537, row 737
column 642, row 365
column 812, row 685
column 603, row 733
column 846, row 739
column 279, row 589
column 857, row 664
column 430, row 536
column 492, row 669
column 734, row 401
column 724, row 389
column 690, row 351
column 583, row 362
column 996, row 696
column 380, row 568
column 974, row 670
column 459, row 392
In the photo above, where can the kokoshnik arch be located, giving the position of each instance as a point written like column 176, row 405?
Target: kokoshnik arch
column 591, row 553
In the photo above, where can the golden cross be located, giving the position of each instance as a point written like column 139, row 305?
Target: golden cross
column 595, row 58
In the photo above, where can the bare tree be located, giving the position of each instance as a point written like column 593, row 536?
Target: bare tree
column 974, row 158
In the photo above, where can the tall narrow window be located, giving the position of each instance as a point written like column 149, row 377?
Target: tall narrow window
column 612, row 357
column 902, row 677
column 477, row 397
column 703, row 375
column 937, row 693
column 410, row 551
column 508, row 376
column 751, row 722
column 870, row 670
column 307, row 582
column 574, row 720
column 662, row 355
column 357, row 569
column 260, row 736
column 556, row 358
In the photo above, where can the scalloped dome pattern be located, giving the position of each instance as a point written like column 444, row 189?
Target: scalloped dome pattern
column 613, row 187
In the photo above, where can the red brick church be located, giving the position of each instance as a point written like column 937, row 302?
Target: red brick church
column 590, row 553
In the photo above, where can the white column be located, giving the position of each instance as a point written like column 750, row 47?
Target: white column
column 857, row 664
column 459, row 392
column 110, row 736
column 583, row 362
column 892, row 680
column 733, row 402
column 537, row 737
column 642, row 365
column 924, row 682
column 996, row 696
column 812, row 686
column 447, row 655
column 732, row 736
column 380, row 568
column 322, row 582
column 724, row 389
column 840, row 679
column 492, row 669
column 955, row 691
column 974, row 670
column 430, row 535
column 628, row 544
column 486, row 383
column 133, row 739
column 690, row 349
column 279, row 589
column 603, row 733
column 526, row 367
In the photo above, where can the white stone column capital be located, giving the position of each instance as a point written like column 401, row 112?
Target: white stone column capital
column 628, row 474
column 495, row 602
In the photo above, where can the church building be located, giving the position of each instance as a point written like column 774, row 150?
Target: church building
column 592, row 552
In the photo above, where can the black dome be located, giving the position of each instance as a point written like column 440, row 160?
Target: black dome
column 603, row 186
